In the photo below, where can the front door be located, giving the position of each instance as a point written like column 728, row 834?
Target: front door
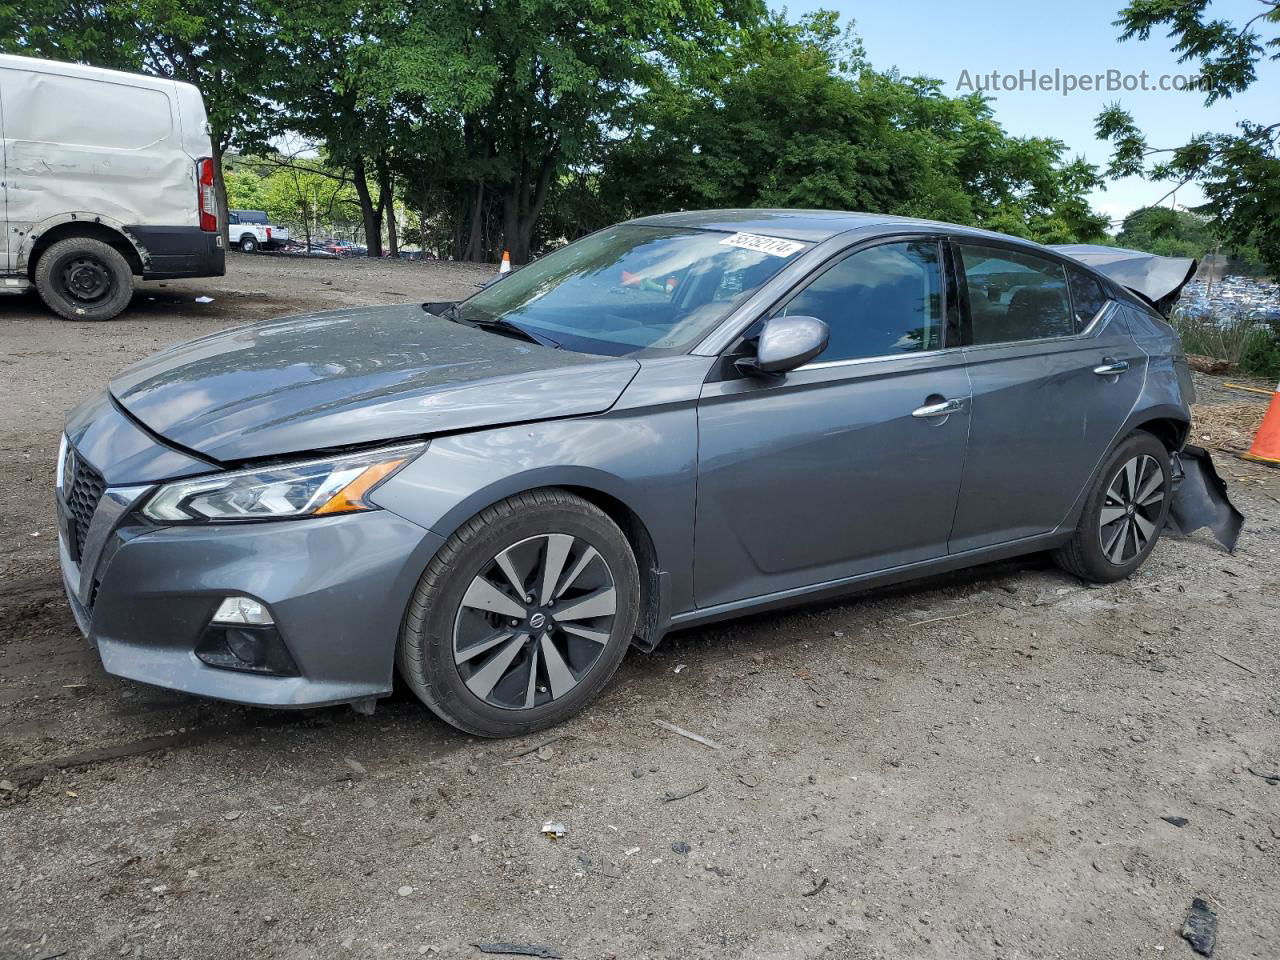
column 1055, row 374
column 850, row 464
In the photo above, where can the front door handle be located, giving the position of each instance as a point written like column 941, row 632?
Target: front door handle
column 1111, row 368
column 943, row 409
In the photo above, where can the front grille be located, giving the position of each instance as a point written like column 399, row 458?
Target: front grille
column 82, row 488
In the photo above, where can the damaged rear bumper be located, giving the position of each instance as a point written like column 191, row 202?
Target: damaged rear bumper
column 1200, row 499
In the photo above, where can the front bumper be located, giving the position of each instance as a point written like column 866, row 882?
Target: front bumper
column 337, row 587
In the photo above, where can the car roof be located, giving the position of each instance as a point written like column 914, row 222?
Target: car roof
column 813, row 226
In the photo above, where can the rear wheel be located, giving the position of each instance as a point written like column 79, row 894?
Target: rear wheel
column 522, row 616
column 248, row 243
column 83, row 279
column 1124, row 514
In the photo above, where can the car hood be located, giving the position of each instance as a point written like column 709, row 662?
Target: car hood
column 1158, row 280
column 349, row 377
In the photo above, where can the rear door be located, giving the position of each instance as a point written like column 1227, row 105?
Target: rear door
column 1054, row 373
column 837, row 469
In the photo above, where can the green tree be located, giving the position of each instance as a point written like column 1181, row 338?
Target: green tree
column 791, row 114
column 1170, row 233
column 1239, row 172
column 245, row 188
column 559, row 79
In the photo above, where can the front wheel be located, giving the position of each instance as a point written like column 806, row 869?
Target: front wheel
column 522, row 616
column 1124, row 514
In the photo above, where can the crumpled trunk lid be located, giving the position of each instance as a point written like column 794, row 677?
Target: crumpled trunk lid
column 1158, row 280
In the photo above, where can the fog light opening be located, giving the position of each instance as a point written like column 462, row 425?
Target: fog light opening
column 242, row 635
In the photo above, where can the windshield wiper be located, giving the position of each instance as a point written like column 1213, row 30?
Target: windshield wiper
column 497, row 324
column 501, row 326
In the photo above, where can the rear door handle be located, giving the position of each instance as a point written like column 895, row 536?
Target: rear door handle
column 1111, row 368
column 942, row 409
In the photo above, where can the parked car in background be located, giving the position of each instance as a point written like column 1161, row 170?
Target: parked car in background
column 669, row 422
column 106, row 176
column 252, row 230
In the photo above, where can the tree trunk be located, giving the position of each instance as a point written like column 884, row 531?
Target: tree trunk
column 220, row 191
column 522, row 203
column 370, row 212
column 387, row 207
column 474, row 250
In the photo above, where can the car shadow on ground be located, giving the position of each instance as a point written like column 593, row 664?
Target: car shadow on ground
column 133, row 719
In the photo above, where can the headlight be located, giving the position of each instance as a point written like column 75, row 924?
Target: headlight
column 311, row 489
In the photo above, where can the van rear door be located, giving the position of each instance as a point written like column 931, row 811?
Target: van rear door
column 5, row 265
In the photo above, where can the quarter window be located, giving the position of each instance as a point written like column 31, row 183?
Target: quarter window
column 1087, row 297
column 878, row 302
column 1015, row 296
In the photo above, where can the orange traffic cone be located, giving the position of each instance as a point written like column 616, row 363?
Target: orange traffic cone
column 1266, row 444
column 505, row 265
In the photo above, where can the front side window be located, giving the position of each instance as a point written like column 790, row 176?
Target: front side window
column 1087, row 297
column 878, row 302
column 1015, row 296
column 634, row 289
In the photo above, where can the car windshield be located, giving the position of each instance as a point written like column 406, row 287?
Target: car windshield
column 633, row 289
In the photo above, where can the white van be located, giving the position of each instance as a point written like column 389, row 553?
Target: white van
column 107, row 176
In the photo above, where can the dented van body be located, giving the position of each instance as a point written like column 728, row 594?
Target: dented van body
column 107, row 159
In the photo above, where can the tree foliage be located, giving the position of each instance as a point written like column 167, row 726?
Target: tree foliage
column 516, row 124
column 793, row 116
column 1239, row 172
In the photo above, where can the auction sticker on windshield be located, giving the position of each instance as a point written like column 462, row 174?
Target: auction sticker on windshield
column 773, row 246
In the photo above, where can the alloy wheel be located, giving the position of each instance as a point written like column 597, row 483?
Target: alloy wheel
column 1131, row 509
column 534, row 621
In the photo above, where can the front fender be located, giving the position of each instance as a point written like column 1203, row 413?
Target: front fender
column 645, row 459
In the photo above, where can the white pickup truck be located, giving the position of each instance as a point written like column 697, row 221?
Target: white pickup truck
column 252, row 230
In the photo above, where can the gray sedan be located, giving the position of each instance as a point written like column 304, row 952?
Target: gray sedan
column 672, row 421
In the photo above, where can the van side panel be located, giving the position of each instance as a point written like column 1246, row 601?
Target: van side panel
column 109, row 148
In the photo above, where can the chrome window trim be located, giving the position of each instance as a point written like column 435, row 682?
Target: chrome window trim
column 854, row 361
column 1091, row 330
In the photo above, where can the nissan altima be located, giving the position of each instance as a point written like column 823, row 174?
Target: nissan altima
column 674, row 420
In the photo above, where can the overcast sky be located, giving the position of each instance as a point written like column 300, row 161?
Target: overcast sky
column 944, row 38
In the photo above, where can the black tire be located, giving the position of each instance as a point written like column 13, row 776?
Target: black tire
column 83, row 279
column 248, row 243
column 425, row 653
column 1085, row 554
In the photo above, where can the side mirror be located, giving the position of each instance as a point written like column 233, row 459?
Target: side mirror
column 784, row 344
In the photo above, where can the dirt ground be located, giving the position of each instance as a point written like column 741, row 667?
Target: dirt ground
column 970, row 766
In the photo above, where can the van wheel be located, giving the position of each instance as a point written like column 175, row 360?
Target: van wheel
column 522, row 616
column 1124, row 514
column 83, row 279
column 248, row 244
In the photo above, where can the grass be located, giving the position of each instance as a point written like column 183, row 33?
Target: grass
column 1250, row 345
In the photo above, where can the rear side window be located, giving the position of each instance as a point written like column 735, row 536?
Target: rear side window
column 1087, row 297
column 878, row 302
column 79, row 112
column 1015, row 296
